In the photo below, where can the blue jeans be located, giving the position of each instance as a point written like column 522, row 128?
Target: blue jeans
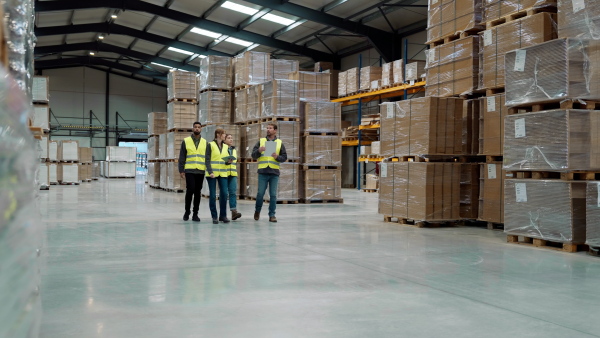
column 232, row 185
column 212, row 202
column 272, row 181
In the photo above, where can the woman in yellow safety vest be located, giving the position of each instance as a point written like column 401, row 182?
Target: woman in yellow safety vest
column 232, row 176
column 216, row 170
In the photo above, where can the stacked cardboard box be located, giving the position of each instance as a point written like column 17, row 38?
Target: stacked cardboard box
column 352, row 81
column 282, row 68
column 333, row 85
column 280, row 98
column 254, row 103
column 398, row 72
column 68, row 168
column 387, row 74
column 41, row 117
column 85, row 164
column 182, row 85
column 68, row 173
column 491, row 192
column 453, row 68
column 322, row 150
column 321, row 116
column 180, row 115
column 240, row 98
column 322, row 184
column 449, row 17
column 290, row 132
column 289, row 183
column 415, row 70
column 157, row 123
column 578, row 19
column 342, row 85
column 252, row 68
column 323, row 66
column 120, row 162
column 312, row 86
column 216, row 72
column 154, row 174
column 41, row 89
column 68, row 151
column 499, row 10
column 215, row 107
column 53, row 151
column 368, row 75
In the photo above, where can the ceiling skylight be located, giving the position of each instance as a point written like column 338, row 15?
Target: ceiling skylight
column 205, row 32
column 180, row 51
column 239, row 42
column 278, row 19
column 239, row 8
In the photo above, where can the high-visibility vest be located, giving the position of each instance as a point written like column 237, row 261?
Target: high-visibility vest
column 232, row 168
column 196, row 157
column 266, row 160
column 216, row 160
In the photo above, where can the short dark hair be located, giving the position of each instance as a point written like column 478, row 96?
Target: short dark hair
column 195, row 123
column 273, row 125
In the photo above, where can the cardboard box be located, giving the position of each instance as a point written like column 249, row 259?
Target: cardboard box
column 157, row 123
column 240, row 106
column 321, row 116
column 592, row 213
column 40, row 89
column 174, row 180
column 153, row 148
column 250, row 134
column 368, row 75
column 68, row 173
column 322, row 184
column 312, row 86
column 469, row 191
column 453, row 68
column 289, row 133
column 323, row 66
column 495, row 9
column 68, row 151
column 414, row 70
column 254, row 102
column 365, row 150
column 280, row 98
column 449, row 17
column 491, row 192
column 174, row 141
column 162, row 147
column 216, row 72
column 554, row 70
column 491, row 125
column 182, row 85
column 323, row 150
column 85, row 172
column 154, row 174
column 553, row 210
column 252, row 68
column 342, row 84
column 282, row 68
column 289, row 182
column 41, row 116
column 215, row 107
column 470, row 132
column 581, row 21
column 376, row 147
column 387, row 74
column 352, row 79
column 121, row 169
column 334, row 84
column 85, row 155
column 53, row 151
column 164, row 172
column 398, row 72
column 372, row 181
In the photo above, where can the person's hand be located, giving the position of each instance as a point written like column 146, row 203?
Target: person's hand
column 261, row 149
column 182, row 175
column 274, row 155
column 229, row 161
column 212, row 175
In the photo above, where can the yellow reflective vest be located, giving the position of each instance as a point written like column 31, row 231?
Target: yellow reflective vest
column 217, row 164
column 196, row 157
column 232, row 168
column 266, row 160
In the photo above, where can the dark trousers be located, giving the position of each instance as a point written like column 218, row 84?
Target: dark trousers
column 193, row 184
column 212, row 201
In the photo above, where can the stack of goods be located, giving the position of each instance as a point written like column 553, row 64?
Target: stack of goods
column 85, row 164
column 398, row 72
column 252, row 68
column 282, row 68
column 44, row 172
column 342, row 85
column 415, row 71
column 53, row 162
column 182, row 85
column 352, row 81
column 312, row 86
column 368, row 75
column 120, row 162
column 449, row 19
column 453, row 68
column 216, row 72
column 68, row 168
column 95, row 171
column 280, row 98
column 157, row 125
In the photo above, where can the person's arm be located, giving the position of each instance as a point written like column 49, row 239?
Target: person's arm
column 182, row 157
column 255, row 152
column 207, row 158
column 282, row 154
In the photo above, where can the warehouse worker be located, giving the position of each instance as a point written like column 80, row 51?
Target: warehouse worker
column 232, row 176
column 268, row 170
column 192, row 168
column 217, row 171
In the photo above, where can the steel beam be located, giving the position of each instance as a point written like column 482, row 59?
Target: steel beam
column 80, row 61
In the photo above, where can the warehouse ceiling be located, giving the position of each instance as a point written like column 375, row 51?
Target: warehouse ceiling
column 145, row 39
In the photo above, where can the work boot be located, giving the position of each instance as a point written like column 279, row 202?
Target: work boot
column 195, row 218
column 273, row 219
column 235, row 215
column 215, row 221
column 256, row 215
column 186, row 216
column 224, row 219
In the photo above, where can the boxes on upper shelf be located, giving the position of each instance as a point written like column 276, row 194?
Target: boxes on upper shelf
column 321, row 116
column 414, row 70
column 282, row 68
column 491, row 131
column 181, row 115
column 312, row 86
column 342, row 85
column 41, row 116
column 578, row 19
column 369, row 74
column 352, row 79
column 254, row 102
column 182, row 85
column 398, row 71
column 174, row 141
column 240, row 108
column 323, row 66
column 323, row 150
column 216, row 72
column 500, row 9
column 68, row 151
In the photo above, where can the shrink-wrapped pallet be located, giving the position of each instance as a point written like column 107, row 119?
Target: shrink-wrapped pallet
column 252, row 68
column 174, row 142
column 352, row 81
column 157, row 123
column 121, row 154
column 342, row 85
column 162, row 147
column 250, row 135
column 470, row 127
column 387, row 74
column 240, row 99
column 182, row 85
column 491, row 127
column 322, row 150
column 287, row 188
column 398, row 72
column 43, row 148
column 43, row 177
column 555, row 140
column 282, row 68
column 312, row 86
column 491, row 193
column 154, row 174
column 120, row 169
column 469, row 190
column 164, row 171
column 280, row 99
column 85, row 155
column 85, row 172
column 53, row 173
column 553, row 71
column 321, row 116
column 449, row 17
column 216, row 72
column 174, row 180
column 453, row 68
column 322, row 184
column 68, row 151
column 254, row 99
column 551, row 210
column 251, row 179
column 215, row 107
column 499, row 10
column 368, row 75
column 41, row 89
column 96, row 170
column 153, row 148
column 415, row 70
column 289, row 133
column 499, row 40
column 68, row 173
column 181, row 115
column 53, row 151
column 41, row 117
column 579, row 19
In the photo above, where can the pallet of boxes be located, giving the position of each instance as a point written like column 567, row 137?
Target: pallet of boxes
column 85, row 164
column 157, row 125
column 550, row 141
column 40, row 121
column 68, row 166
column 120, row 162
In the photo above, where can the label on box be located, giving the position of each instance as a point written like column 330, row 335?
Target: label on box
column 521, row 190
column 488, row 38
column 520, row 128
column 390, row 111
column 383, row 168
column 520, row 57
column 578, row 5
column 491, row 169
column 412, row 82
column 430, row 57
column 491, row 104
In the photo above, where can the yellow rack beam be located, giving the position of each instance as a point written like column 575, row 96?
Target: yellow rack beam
column 370, row 126
column 370, row 159
column 387, row 92
column 354, row 143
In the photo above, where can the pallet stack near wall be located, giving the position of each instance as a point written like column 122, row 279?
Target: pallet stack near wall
column 120, row 162
column 41, row 123
column 157, row 125
column 85, row 164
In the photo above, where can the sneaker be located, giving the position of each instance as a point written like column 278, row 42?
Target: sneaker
column 273, row 219
column 215, row 221
column 224, row 219
column 235, row 215
column 256, row 215
column 186, row 216
column 195, row 218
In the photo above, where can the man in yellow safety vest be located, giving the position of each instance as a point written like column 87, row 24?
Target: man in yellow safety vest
column 268, row 170
column 192, row 168
column 217, row 171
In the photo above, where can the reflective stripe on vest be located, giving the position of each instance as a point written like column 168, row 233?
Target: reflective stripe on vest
column 216, row 160
column 232, row 168
column 267, row 161
column 195, row 158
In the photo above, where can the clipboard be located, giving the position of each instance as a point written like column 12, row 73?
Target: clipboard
column 230, row 157
column 270, row 148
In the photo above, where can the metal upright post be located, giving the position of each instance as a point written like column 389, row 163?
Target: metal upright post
column 404, row 68
column 358, row 163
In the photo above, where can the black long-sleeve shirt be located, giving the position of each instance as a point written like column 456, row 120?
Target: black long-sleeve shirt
column 183, row 157
column 281, row 158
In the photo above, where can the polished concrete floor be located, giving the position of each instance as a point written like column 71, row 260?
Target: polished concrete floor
column 120, row 262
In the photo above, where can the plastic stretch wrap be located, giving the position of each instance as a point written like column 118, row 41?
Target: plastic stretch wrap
column 579, row 19
column 41, row 89
column 282, row 68
column 323, row 66
column 280, row 99
column 287, row 188
column 424, row 191
column 497, row 41
column 423, row 126
column 252, row 68
column 154, row 174
column 557, row 140
column 470, row 128
column 68, row 173
column 375, row 85
column 102, row 169
column 387, row 74
column 453, row 68
column 322, row 184
column 85, row 171
column 491, row 192
column 20, row 41
column 321, row 116
column 251, row 179
column 398, row 71
column 254, row 97
column 164, row 170
column 414, row 70
column 121, row 154
column 20, row 238
column 41, row 117
column 215, row 107
column 43, row 148
column 240, row 98
column 162, row 147
column 120, row 169
column 53, row 151
column 352, row 78
column 333, row 82
column 53, row 173
column 44, row 175
column 182, row 85
column 342, row 84
column 552, row 210
column 322, row 150
column 367, row 75
column 208, row 133
column 289, row 133
column 85, row 155
column 157, row 123
column 250, row 135
column 95, row 170
column 174, row 140
column 216, row 72
column 450, row 17
column 68, row 151
column 593, row 215
column 313, row 86
column 491, row 125
column 174, row 180
column 495, row 9
column 153, row 148
column 469, row 190
column 554, row 70
column 376, row 147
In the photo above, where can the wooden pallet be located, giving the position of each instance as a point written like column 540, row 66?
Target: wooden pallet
column 321, row 133
column 486, row 224
column 183, row 100
column 552, row 175
column 310, row 167
column 71, row 162
column 554, row 104
column 214, row 90
column 493, row 158
column 420, row 224
column 47, row 187
column 518, row 15
column 455, row 36
column 295, row 201
column 279, row 119
column 541, row 243
column 495, row 91
column 325, row 201
column 241, row 87
column 53, row 183
column 37, row 132
column 370, row 190
column 181, row 130
column 86, row 181
column 118, row 177
column 441, row 158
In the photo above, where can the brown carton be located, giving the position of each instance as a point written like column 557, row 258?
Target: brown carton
column 322, row 150
column 322, row 184
column 496, row 9
column 216, row 72
column 491, row 192
column 182, row 85
column 282, row 68
column 280, row 98
column 342, row 85
column 215, row 107
column 157, row 123
column 352, row 78
column 312, row 86
column 491, row 127
column 321, row 116
column 254, row 102
column 323, row 66
column 368, row 75
column 252, row 68
column 181, row 115
column 240, row 99
column 578, row 19
column 451, row 17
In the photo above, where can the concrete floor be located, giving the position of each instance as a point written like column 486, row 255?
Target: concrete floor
column 119, row 262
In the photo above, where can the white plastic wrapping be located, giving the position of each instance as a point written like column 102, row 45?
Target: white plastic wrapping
column 216, row 72
column 157, row 123
column 322, row 184
column 289, row 133
column 154, row 174
column 280, row 98
column 174, row 141
column 68, row 173
column 174, row 180
column 215, row 107
column 240, row 105
column 321, row 116
column 18, row 31
column 254, row 102
column 287, row 188
column 41, row 89
column 53, row 151
column 252, row 68
column 121, row 154
column 153, row 148
column 41, row 117
column 282, row 68
column 313, row 86
column 579, row 19
column 592, row 213
column 43, row 148
column 323, row 150
column 68, row 151
column 120, row 169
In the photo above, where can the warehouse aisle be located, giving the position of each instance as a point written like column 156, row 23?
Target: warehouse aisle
column 119, row 262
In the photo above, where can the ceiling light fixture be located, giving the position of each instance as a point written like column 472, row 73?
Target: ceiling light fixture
column 239, row 8
column 239, row 42
column 205, row 32
column 180, row 51
column 101, row 37
column 92, row 53
column 161, row 65
column 252, row 47
column 114, row 16
column 277, row 19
